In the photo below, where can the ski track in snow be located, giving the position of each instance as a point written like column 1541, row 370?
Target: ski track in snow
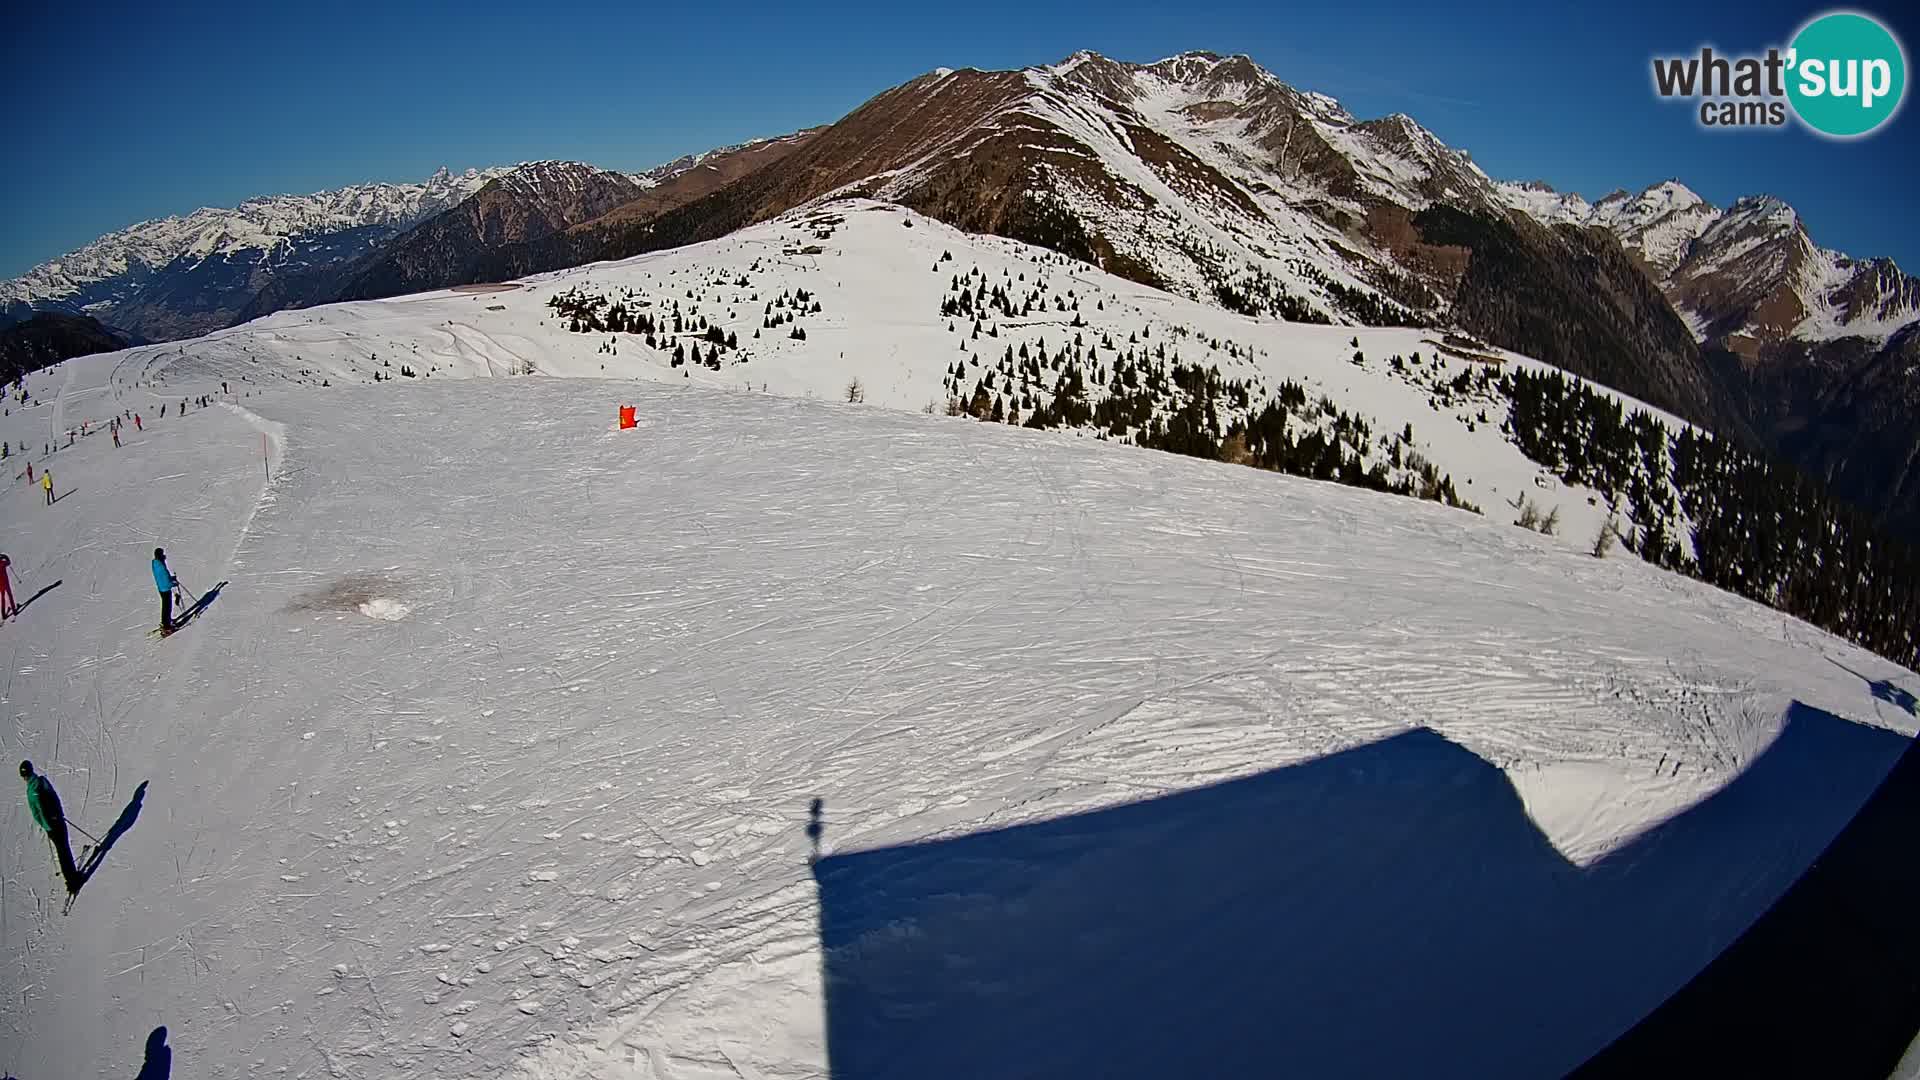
column 552, row 819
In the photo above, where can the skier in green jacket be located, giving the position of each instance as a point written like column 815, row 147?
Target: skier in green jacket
column 44, row 803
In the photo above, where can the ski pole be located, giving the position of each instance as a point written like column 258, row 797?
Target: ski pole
column 81, row 831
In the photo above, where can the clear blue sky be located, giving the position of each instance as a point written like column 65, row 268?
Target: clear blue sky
column 118, row 113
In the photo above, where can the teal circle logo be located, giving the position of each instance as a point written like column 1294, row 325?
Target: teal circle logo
column 1847, row 74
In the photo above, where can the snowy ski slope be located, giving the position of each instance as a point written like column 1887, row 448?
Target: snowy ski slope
column 509, row 747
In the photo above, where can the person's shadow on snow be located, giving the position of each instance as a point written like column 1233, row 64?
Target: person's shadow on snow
column 128, row 815
column 44, row 590
column 1884, row 690
column 159, row 1062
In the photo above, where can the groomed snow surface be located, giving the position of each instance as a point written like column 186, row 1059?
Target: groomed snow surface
column 510, row 744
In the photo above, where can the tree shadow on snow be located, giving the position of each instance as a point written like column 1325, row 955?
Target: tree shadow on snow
column 128, row 815
column 1389, row 910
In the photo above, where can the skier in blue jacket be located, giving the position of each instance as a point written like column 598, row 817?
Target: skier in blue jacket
column 164, row 580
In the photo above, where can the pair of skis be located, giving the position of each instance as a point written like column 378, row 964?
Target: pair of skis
column 88, row 863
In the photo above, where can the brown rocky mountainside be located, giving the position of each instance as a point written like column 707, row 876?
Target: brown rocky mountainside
column 682, row 181
column 1755, row 278
column 1572, row 295
column 1863, row 436
column 529, row 202
column 1845, row 410
column 466, row 244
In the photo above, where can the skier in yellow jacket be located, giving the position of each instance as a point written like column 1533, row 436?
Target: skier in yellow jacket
column 46, row 484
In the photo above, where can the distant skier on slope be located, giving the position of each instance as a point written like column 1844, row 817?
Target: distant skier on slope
column 44, row 803
column 8, row 606
column 46, row 484
column 164, row 580
column 136, row 423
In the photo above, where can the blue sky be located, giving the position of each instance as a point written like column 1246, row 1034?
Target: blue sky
column 118, row 113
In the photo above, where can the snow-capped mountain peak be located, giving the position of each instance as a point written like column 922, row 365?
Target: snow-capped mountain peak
column 549, row 177
column 1743, row 276
column 1539, row 200
column 86, row 279
column 1761, row 211
column 1656, row 225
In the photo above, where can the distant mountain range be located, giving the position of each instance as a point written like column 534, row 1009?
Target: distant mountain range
column 1821, row 350
column 1201, row 174
column 181, row 276
column 184, row 276
column 1743, row 277
column 538, row 202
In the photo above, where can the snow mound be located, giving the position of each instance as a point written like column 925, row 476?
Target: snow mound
column 385, row 609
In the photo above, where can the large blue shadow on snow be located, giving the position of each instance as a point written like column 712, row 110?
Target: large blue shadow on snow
column 1389, row 910
column 1826, row 983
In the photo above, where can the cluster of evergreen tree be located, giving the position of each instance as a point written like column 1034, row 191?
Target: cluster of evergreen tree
column 1760, row 528
column 969, row 296
column 786, row 309
column 1340, row 449
column 1460, row 391
column 1258, row 293
column 590, row 313
column 684, row 331
column 688, row 352
column 1143, row 393
column 1368, row 308
column 1767, row 531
